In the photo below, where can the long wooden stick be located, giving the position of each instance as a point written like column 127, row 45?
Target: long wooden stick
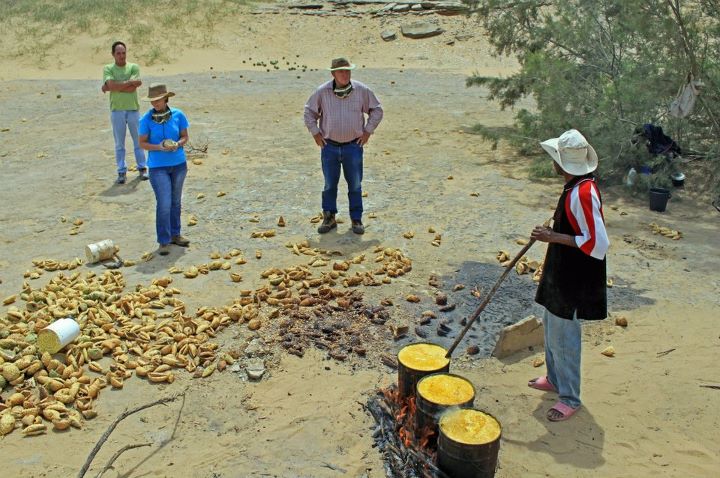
column 485, row 302
column 112, row 426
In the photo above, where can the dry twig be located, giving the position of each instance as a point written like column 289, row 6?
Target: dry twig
column 199, row 147
column 117, row 454
column 112, row 426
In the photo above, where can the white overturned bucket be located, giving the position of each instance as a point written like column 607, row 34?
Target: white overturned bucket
column 57, row 335
column 100, row 251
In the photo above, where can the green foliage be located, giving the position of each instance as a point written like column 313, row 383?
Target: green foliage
column 605, row 67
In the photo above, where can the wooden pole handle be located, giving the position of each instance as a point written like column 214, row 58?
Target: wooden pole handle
column 490, row 295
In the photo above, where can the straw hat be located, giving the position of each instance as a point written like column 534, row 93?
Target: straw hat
column 341, row 64
column 158, row 91
column 572, row 152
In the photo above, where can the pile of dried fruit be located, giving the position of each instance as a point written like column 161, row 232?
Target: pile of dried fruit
column 145, row 332
column 318, row 303
column 215, row 264
column 522, row 266
column 665, row 231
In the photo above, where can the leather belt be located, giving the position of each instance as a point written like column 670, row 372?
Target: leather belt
column 336, row 143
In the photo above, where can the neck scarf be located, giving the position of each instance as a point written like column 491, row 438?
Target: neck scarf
column 343, row 92
column 161, row 117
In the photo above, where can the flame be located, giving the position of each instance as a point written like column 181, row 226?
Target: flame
column 422, row 443
column 405, row 436
column 405, row 411
column 426, row 438
column 391, row 394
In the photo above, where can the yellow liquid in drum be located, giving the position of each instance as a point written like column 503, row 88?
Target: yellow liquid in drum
column 423, row 357
column 471, row 427
column 445, row 389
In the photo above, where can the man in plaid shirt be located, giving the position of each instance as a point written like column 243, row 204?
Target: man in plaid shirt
column 335, row 116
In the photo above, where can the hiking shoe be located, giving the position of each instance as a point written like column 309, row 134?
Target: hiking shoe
column 180, row 241
column 357, row 227
column 122, row 177
column 143, row 174
column 164, row 249
column 328, row 222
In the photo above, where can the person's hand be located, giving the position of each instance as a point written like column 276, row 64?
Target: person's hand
column 135, row 83
column 104, row 88
column 541, row 233
column 362, row 140
column 319, row 140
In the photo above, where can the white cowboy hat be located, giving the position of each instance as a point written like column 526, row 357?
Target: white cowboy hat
column 572, row 152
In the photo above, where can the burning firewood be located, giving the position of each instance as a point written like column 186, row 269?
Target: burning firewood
column 405, row 453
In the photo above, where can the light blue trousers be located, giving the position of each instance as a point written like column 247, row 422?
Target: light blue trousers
column 563, row 339
column 122, row 120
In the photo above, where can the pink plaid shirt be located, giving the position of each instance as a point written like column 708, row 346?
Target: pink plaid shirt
column 342, row 119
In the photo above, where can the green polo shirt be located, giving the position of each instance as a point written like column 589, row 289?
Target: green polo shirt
column 121, row 101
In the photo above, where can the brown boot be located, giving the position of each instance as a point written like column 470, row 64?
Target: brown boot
column 328, row 222
column 357, row 227
column 180, row 241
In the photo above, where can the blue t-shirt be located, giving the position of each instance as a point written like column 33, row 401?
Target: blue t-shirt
column 159, row 132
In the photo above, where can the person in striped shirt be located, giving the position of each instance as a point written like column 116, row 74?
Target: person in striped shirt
column 573, row 284
column 340, row 106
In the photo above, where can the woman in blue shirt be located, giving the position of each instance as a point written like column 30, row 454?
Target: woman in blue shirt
column 163, row 133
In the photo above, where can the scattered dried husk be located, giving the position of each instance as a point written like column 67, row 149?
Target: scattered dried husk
column 148, row 332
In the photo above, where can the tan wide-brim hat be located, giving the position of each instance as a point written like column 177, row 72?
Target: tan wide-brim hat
column 157, row 91
column 341, row 64
column 572, row 152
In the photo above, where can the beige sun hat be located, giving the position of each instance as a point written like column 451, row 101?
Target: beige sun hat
column 341, row 64
column 572, row 152
column 157, row 91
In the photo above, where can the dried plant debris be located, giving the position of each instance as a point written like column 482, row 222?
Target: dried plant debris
column 665, row 231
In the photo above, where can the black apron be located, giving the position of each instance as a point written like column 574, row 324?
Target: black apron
column 572, row 280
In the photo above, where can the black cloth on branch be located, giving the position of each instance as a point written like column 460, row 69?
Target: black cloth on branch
column 657, row 141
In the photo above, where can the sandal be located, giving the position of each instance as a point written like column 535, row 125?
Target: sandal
column 561, row 412
column 542, row 383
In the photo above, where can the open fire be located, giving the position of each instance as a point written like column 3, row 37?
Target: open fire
column 407, row 451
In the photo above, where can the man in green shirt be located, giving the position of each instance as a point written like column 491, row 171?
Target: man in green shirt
column 121, row 79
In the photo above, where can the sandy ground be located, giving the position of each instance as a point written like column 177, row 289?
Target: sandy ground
column 645, row 413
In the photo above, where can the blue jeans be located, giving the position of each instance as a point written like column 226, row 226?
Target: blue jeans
column 167, row 183
column 121, row 120
column 350, row 157
column 563, row 339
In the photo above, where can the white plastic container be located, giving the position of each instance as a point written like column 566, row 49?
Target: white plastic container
column 100, row 251
column 631, row 177
column 57, row 335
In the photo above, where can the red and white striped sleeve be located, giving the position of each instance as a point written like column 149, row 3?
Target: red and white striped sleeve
column 586, row 217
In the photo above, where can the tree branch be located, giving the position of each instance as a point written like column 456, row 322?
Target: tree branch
column 117, row 454
column 112, row 426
